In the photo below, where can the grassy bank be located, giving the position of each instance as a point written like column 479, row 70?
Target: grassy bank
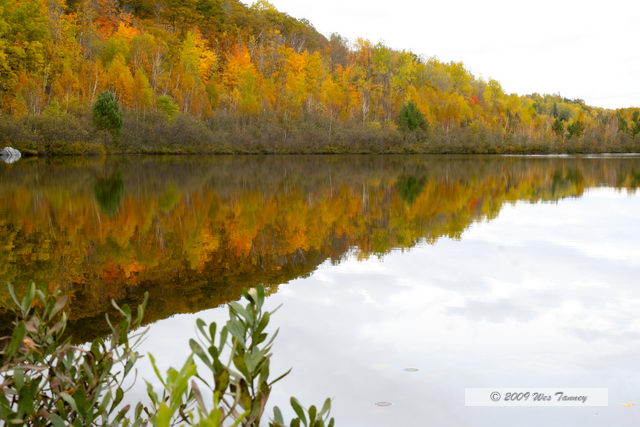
column 54, row 135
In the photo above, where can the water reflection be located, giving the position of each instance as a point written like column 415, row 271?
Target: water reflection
column 545, row 295
column 109, row 193
column 195, row 231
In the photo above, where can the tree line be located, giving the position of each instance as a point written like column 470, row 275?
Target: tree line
column 224, row 77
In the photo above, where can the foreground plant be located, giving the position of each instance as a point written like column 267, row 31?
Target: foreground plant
column 48, row 381
column 238, row 358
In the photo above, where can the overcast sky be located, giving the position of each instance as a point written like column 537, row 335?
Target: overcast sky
column 578, row 48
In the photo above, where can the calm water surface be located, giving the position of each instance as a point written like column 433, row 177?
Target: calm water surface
column 472, row 271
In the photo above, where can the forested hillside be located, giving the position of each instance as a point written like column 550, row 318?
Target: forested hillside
column 220, row 76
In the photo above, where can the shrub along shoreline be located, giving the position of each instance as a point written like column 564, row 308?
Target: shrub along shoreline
column 66, row 134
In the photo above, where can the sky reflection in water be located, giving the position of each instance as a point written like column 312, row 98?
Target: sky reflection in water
column 545, row 295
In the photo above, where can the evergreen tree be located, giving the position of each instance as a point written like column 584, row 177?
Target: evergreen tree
column 622, row 124
column 410, row 118
column 107, row 114
column 558, row 127
column 635, row 128
column 576, row 128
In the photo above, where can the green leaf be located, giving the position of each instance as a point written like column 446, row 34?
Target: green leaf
column 82, row 404
column 118, row 399
column 312, row 414
column 252, row 295
column 326, row 407
column 12, row 292
column 237, row 331
column 153, row 396
column 272, row 312
column 69, row 400
column 212, row 332
column 156, row 370
column 201, row 326
column 56, row 420
column 253, row 359
column 163, row 416
column 28, row 299
column 239, row 363
column 138, row 412
column 224, row 333
column 264, row 322
column 123, row 412
column 181, row 381
column 239, row 419
column 280, row 377
column 277, row 415
column 102, row 409
column 221, row 381
column 18, row 378
column 27, row 395
column 141, row 309
column 197, row 349
column 239, row 309
column 16, row 341
column 298, row 410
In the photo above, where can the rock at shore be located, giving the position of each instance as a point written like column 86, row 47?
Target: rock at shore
column 10, row 155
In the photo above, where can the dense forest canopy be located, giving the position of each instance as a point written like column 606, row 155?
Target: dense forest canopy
column 222, row 63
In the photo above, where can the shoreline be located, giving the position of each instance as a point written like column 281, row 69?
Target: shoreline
column 40, row 155
column 596, row 155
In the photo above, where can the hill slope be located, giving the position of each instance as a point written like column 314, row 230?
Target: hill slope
column 220, row 76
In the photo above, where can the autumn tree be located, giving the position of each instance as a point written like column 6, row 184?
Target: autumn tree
column 23, row 38
column 166, row 105
column 242, row 82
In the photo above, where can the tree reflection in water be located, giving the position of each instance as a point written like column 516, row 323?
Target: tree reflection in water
column 195, row 231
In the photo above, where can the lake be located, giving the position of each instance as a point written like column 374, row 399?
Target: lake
column 403, row 279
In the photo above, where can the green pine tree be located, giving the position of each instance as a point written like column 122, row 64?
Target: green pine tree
column 635, row 128
column 558, row 127
column 411, row 119
column 107, row 114
column 622, row 124
column 576, row 129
